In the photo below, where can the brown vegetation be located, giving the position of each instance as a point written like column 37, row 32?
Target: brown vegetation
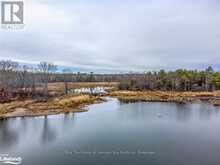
column 163, row 96
column 18, row 81
column 60, row 86
column 14, row 104
column 63, row 104
column 29, row 91
column 75, row 102
column 215, row 102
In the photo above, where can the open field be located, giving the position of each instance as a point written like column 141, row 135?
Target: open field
column 60, row 86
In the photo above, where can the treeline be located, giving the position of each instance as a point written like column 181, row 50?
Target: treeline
column 179, row 80
column 22, row 81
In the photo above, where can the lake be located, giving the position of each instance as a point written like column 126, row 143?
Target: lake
column 117, row 133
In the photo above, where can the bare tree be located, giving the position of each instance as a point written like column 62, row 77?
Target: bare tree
column 66, row 73
column 46, row 69
column 6, row 70
column 32, row 76
column 8, row 65
column 91, row 77
column 23, row 77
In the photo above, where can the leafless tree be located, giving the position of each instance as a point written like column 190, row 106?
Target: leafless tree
column 33, row 80
column 46, row 69
column 6, row 70
column 66, row 73
column 23, row 77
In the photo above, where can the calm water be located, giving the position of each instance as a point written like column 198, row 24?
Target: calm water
column 115, row 133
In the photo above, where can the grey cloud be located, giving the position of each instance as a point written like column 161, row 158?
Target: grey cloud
column 135, row 36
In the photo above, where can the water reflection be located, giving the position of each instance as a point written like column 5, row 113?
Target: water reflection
column 164, row 128
column 24, row 123
column 183, row 112
column 164, row 111
column 8, row 136
column 206, row 112
column 48, row 133
column 135, row 111
column 68, row 119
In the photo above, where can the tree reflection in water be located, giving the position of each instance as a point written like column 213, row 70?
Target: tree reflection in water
column 8, row 135
column 48, row 134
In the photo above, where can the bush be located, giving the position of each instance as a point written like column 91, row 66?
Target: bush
column 124, row 85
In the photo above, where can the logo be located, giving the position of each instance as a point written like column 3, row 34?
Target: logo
column 12, row 14
column 6, row 159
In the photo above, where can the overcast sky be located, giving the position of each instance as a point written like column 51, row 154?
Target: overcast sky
column 117, row 35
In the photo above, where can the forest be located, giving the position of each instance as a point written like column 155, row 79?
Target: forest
column 178, row 80
column 21, row 81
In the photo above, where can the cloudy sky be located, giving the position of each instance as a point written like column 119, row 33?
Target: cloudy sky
column 117, row 35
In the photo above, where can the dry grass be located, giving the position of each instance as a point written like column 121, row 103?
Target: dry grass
column 67, row 103
column 10, row 107
column 74, row 102
column 64, row 104
column 215, row 102
column 161, row 96
column 166, row 93
column 59, row 87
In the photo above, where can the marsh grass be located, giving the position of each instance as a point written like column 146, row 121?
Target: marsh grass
column 60, row 86
column 10, row 107
column 162, row 96
column 215, row 102
column 76, row 102
column 63, row 104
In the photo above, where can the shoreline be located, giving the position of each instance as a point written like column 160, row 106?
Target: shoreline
column 61, row 105
column 166, row 96
column 21, row 113
column 77, row 102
